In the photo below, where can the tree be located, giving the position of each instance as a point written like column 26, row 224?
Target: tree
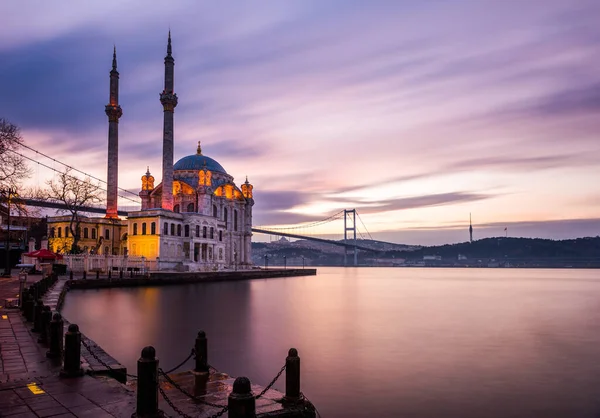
column 13, row 167
column 73, row 193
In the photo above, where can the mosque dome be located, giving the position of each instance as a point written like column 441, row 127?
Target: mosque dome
column 198, row 162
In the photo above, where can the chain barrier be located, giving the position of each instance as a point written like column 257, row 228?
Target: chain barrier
column 182, row 363
column 171, row 404
column 103, row 363
column 188, row 394
column 183, row 414
column 270, row 385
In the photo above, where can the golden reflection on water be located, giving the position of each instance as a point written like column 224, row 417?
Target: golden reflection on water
column 425, row 342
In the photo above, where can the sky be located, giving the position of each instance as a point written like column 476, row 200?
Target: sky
column 415, row 112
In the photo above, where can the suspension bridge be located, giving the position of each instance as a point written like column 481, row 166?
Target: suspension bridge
column 344, row 228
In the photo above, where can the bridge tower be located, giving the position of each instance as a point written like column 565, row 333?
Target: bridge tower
column 352, row 228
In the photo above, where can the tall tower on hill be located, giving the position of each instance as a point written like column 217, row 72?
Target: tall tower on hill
column 470, row 229
column 168, row 99
column 114, row 112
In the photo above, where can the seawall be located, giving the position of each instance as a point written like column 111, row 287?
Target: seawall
column 172, row 278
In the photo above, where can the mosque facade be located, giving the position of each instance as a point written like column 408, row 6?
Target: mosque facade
column 196, row 219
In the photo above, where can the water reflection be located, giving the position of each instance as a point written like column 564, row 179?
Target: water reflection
column 381, row 342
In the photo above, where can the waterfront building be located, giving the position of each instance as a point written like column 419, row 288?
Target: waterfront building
column 196, row 219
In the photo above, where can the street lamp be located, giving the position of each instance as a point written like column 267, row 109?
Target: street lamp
column 8, row 193
column 302, row 262
column 266, row 261
column 284, row 262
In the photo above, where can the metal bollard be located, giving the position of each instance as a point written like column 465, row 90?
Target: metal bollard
column 121, row 274
column 147, row 391
column 97, row 274
column 22, row 298
column 55, row 337
column 201, row 348
column 37, row 315
column 46, row 318
column 131, row 274
column 292, row 376
column 33, row 291
column 241, row 400
column 72, row 361
column 109, row 275
column 84, row 274
column 29, row 306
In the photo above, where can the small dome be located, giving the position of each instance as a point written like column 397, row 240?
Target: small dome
column 198, row 162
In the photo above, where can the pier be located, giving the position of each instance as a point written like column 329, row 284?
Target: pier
column 46, row 372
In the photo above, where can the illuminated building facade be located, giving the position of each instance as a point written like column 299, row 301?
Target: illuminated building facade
column 196, row 219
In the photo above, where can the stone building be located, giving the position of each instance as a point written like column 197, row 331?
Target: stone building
column 197, row 218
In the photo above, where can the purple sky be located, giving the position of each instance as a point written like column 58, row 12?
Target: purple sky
column 414, row 112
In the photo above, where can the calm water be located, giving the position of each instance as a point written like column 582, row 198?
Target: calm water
column 380, row 342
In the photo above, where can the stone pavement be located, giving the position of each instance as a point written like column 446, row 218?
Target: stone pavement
column 9, row 288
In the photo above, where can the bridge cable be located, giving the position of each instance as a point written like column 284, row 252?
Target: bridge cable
column 73, row 177
column 363, row 224
column 72, row 168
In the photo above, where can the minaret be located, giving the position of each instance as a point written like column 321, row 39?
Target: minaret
column 169, row 100
column 470, row 229
column 114, row 112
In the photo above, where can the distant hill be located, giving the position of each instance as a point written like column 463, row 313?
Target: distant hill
column 513, row 248
column 489, row 251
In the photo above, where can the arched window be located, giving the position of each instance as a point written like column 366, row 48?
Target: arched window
column 106, row 234
column 235, row 221
column 187, row 231
column 85, row 233
column 178, row 230
column 59, row 232
column 190, row 207
column 212, row 233
column 144, row 228
column 215, row 211
column 93, row 233
column 166, row 229
column 135, row 229
column 66, row 232
column 172, row 229
column 220, row 235
column 52, row 232
column 153, row 228
column 203, row 232
column 197, row 231
column 176, row 208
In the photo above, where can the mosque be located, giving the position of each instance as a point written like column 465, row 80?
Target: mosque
column 196, row 219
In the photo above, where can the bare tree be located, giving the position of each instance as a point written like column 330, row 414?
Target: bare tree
column 74, row 194
column 13, row 167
